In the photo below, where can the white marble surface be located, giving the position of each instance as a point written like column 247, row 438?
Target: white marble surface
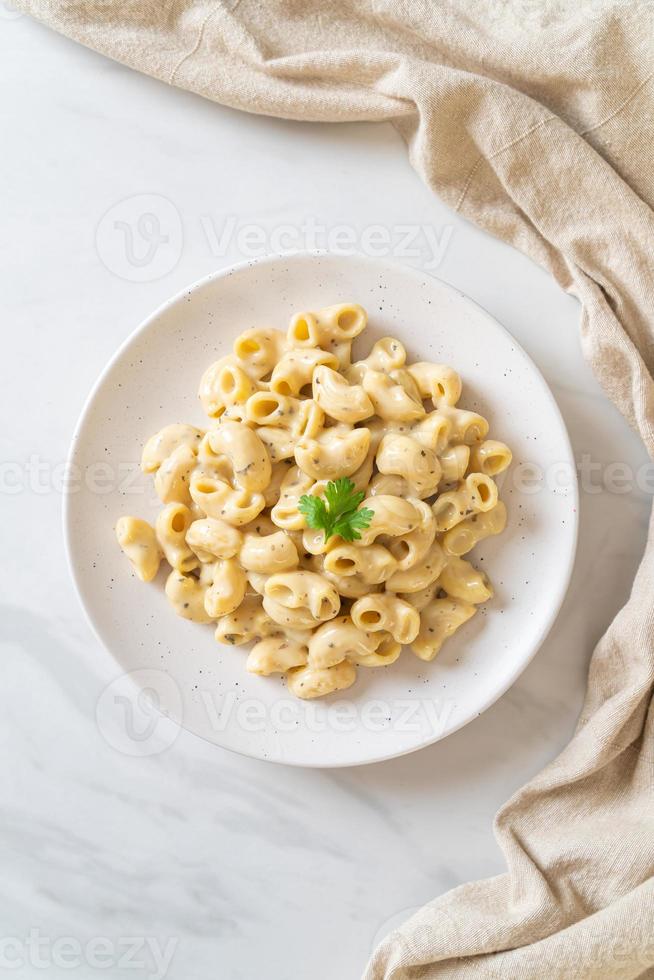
column 237, row 868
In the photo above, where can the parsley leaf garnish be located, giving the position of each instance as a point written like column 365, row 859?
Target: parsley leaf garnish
column 337, row 513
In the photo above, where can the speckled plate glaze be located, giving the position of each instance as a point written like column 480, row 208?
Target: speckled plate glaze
column 152, row 380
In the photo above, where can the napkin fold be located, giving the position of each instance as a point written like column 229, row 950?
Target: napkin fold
column 534, row 119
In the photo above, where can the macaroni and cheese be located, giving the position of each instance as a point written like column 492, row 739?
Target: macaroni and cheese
column 287, row 413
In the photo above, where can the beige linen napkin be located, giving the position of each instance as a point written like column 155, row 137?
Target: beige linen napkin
column 535, row 119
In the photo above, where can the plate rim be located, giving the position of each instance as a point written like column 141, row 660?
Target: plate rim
column 417, row 273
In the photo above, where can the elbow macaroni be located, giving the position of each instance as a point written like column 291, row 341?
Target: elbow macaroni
column 403, row 456
column 476, row 494
column 372, row 565
column 391, row 401
column 139, row 543
column 337, row 451
column 172, row 525
column 439, row 620
column 288, row 412
column 227, row 589
column 389, row 613
column 276, row 655
column 339, row 399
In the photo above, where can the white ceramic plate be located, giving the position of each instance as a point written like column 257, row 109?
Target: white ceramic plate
column 153, row 379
